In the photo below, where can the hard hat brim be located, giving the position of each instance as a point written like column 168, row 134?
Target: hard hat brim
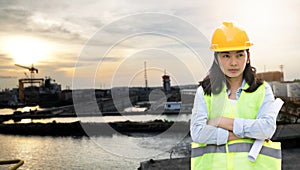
column 230, row 48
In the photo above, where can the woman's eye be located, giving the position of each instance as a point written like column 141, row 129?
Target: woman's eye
column 241, row 55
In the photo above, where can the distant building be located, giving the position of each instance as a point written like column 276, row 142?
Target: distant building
column 290, row 90
column 281, row 88
column 271, row 76
column 166, row 83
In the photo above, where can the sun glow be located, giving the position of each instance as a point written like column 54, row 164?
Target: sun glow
column 27, row 50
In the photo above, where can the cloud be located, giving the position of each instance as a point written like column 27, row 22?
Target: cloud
column 7, row 77
column 22, row 20
column 75, row 22
column 69, row 25
column 17, row 13
column 5, row 59
column 101, row 59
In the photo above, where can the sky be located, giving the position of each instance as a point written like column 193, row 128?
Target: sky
column 103, row 44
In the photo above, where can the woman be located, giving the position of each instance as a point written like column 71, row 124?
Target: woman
column 232, row 109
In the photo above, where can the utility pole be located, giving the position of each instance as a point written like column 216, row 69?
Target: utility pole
column 145, row 76
column 281, row 70
column 281, row 67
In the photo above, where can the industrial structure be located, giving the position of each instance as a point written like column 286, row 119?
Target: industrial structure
column 271, row 76
column 145, row 75
column 37, row 90
column 166, row 82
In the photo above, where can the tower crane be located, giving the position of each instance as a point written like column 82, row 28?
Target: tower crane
column 31, row 69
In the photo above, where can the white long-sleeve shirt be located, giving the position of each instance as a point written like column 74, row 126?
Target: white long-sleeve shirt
column 263, row 127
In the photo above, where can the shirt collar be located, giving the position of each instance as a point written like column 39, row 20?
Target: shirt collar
column 240, row 88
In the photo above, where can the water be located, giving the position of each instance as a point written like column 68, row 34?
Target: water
column 80, row 153
column 85, row 153
column 60, row 153
column 103, row 152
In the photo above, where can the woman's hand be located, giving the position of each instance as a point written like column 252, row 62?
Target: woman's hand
column 231, row 136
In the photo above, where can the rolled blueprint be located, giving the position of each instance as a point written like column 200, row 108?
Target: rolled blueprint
column 255, row 149
column 258, row 143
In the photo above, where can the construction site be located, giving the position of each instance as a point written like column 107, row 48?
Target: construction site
column 31, row 91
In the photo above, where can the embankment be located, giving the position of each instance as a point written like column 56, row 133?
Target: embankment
column 91, row 129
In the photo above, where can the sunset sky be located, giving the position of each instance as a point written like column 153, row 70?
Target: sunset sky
column 101, row 44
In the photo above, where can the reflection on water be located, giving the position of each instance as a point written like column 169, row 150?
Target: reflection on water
column 6, row 111
column 23, row 109
column 79, row 153
column 29, row 108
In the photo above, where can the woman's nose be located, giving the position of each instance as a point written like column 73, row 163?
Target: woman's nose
column 233, row 61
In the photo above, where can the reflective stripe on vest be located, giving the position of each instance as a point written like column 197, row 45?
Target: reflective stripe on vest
column 237, row 147
column 207, row 149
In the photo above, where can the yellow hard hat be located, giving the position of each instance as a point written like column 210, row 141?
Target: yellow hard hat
column 229, row 37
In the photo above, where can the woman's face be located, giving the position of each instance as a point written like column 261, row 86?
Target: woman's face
column 233, row 63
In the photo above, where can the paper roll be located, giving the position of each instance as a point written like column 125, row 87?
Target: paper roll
column 258, row 143
column 255, row 149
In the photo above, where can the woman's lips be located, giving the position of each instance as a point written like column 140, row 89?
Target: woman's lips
column 233, row 70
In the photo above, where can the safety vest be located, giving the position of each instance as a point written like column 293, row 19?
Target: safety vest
column 234, row 154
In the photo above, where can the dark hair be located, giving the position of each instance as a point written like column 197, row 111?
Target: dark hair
column 214, row 81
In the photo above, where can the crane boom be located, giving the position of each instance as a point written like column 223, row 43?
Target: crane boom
column 31, row 69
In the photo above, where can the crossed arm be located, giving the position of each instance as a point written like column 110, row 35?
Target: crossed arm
column 225, row 123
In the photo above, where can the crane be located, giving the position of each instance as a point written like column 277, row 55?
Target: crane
column 31, row 69
column 30, row 80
